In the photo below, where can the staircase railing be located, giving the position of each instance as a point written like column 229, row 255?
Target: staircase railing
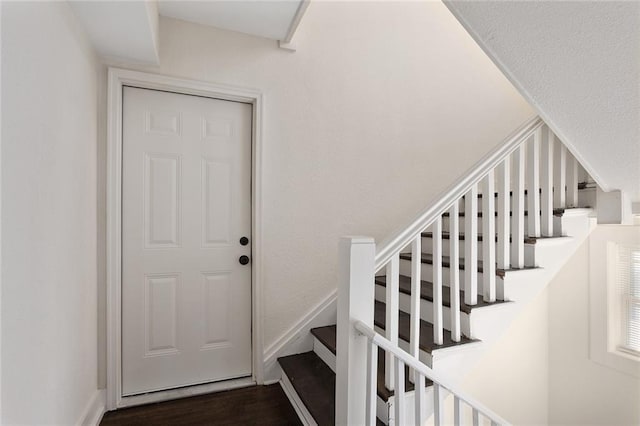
column 421, row 373
column 524, row 160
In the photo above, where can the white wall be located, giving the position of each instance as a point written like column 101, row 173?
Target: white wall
column 512, row 378
column 581, row 391
column 541, row 371
column 381, row 108
column 48, row 215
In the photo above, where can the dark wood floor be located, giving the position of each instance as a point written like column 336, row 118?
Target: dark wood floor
column 256, row 405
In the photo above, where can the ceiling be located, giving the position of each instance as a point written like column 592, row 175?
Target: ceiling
column 264, row 18
column 578, row 64
column 128, row 31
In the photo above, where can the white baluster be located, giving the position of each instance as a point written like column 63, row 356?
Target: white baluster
column 533, row 184
column 517, row 230
column 488, row 240
column 438, row 326
column 420, row 413
column 546, row 182
column 438, row 413
column 572, row 181
column 457, row 411
column 372, row 383
column 476, row 417
column 416, row 289
column 470, row 246
column 454, row 273
column 560, row 176
column 399, row 395
column 504, row 210
column 391, row 320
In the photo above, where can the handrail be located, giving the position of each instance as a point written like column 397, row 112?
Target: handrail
column 403, row 237
column 423, row 370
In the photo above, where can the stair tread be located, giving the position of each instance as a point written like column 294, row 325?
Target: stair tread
column 315, row 384
column 495, row 194
column 446, row 235
column 581, row 185
column 556, row 212
column 426, row 330
column 426, row 293
column 446, row 262
column 327, row 336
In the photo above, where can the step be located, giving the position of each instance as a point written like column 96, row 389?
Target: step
column 314, row 384
column 556, row 212
column 327, row 337
column 427, row 245
column 427, row 269
column 446, row 220
column 426, row 344
column 426, row 293
column 426, row 303
column 447, row 236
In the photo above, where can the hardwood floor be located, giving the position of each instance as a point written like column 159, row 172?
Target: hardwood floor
column 256, row 405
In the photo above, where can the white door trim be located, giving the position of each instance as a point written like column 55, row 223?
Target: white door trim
column 117, row 79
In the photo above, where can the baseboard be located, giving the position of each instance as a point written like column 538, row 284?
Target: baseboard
column 298, row 339
column 95, row 409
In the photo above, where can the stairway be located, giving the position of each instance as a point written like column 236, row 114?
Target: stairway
column 309, row 378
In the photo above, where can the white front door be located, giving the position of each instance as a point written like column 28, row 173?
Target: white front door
column 186, row 205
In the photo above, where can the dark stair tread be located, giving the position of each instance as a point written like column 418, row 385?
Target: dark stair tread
column 556, row 212
column 495, row 194
column 426, row 330
column 447, row 236
column 581, row 185
column 426, row 293
column 461, row 214
column 315, row 384
column 527, row 240
column 446, row 262
column 327, row 336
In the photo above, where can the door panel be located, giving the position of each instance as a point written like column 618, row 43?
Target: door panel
column 186, row 300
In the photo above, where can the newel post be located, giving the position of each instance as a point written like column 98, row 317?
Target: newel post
column 355, row 302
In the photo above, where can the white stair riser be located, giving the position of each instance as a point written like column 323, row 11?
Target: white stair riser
column 427, row 247
column 425, row 357
column 461, row 219
column 383, row 408
column 426, row 310
column 409, row 402
column 495, row 201
column 324, row 353
column 587, row 197
column 427, row 274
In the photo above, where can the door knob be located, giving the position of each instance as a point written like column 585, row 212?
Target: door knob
column 244, row 241
column 243, row 260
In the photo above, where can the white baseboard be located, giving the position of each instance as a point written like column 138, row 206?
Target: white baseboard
column 95, row 409
column 298, row 339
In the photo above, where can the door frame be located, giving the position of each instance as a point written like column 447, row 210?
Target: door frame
column 117, row 79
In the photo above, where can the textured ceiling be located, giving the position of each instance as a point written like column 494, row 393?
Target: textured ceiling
column 578, row 64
